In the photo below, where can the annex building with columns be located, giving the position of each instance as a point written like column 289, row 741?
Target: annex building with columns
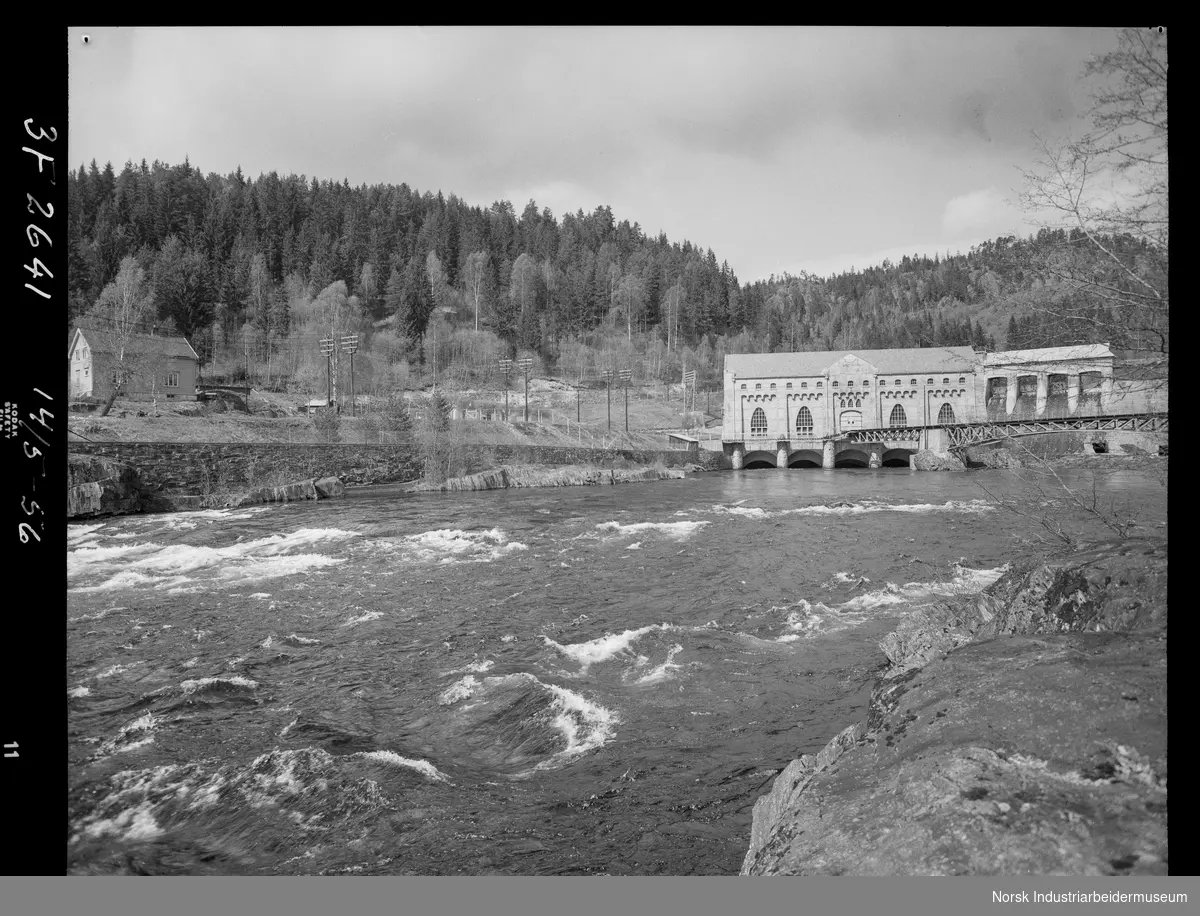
column 794, row 409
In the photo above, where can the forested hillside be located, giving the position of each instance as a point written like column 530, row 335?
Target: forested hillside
column 254, row 272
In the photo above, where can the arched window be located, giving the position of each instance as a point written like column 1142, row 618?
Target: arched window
column 945, row 381
column 912, row 381
column 962, row 379
column 758, row 387
column 857, row 402
column 866, row 384
column 883, row 381
column 804, row 384
column 945, row 415
column 804, row 422
column 819, row 384
column 834, row 384
column 898, row 381
column 758, row 423
column 772, row 386
column 928, row 381
column 789, row 384
column 897, row 418
column 850, row 384
column 743, row 386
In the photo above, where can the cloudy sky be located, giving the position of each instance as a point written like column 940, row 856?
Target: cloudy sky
column 780, row 148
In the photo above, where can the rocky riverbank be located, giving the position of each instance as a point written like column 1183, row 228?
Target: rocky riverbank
column 1023, row 731
column 100, row 487
column 572, row 476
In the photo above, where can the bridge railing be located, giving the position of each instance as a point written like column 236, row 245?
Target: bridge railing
column 913, row 431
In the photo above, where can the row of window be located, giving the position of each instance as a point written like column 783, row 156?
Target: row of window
column 962, row 380
column 804, row 420
column 171, row 380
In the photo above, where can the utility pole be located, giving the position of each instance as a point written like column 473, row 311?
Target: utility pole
column 608, row 377
column 626, row 375
column 526, row 363
column 505, row 367
column 350, row 345
column 327, row 348
column 246, row 340
column 689, row 378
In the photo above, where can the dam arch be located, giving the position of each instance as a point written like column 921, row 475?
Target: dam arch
column 852, row 458
column 758, row 460
column 897, row 458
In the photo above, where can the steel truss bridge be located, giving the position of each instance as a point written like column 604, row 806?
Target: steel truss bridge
column 963, row 435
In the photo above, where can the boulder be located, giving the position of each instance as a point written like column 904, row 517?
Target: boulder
column 290, row 492
column 1019, row 732
column 329, row 488
column 926, row 460
column 100, row 486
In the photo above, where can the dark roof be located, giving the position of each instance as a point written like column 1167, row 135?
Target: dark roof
column 885, row 362
column 105, row 342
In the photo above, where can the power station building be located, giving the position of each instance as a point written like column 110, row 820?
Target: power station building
column 794, row 409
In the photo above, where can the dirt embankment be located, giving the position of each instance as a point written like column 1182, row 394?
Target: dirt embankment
column 1021, row 732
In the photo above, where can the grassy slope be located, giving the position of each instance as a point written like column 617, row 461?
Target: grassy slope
column 650, row 416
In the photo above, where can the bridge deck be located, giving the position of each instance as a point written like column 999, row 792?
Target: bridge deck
column 962, row 435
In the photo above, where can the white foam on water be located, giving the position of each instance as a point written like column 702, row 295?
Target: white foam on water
column 78, row 535
column 964, row 582
column 453, row 545
column 260, row 595
column 363, row 618
column 113, row 670
column 78, row 692
column 677, row 530
column 977, row 579
column 130, row 737
column 736, row 509
column 461, row 690
column 136, row 823
column 585, row 725
column 806, row 618
column 137, row 800
column 394, row 759
column 844, row 578
column 191, row 686
column 663, row 671
column 973, row 506
column 474, row 667
column 603, row 647
column 175, row 565
column 99, row 615
column 301, row 640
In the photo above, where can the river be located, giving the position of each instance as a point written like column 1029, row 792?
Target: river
column 568, row 681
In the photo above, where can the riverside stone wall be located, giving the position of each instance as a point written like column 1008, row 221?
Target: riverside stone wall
column 199, row 467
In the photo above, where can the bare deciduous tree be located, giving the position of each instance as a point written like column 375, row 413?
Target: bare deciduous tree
column 120, row 317
column 1108, row 191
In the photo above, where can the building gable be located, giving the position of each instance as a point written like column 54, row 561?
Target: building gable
column 851, row 364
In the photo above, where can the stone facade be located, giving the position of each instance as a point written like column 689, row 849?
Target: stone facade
column 786, row 409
